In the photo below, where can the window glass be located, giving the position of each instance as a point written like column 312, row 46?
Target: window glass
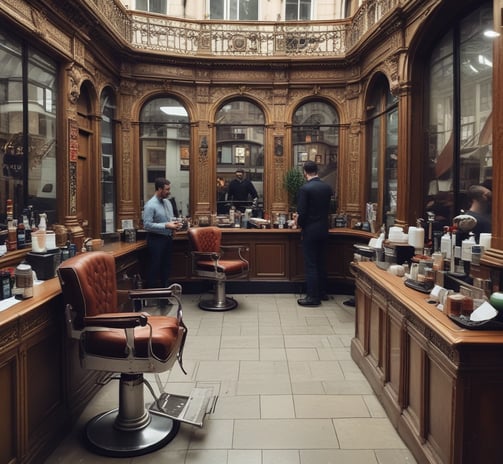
column 153, row 6
column 165, row 148
column 459, row 130
column 243, row 10
column 240, row 145
column 27, row 130
column 382, row 126
column 298, row 10
column 315, row 133
column 108, row 178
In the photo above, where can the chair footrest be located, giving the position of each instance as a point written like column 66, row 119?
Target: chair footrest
column 189, row 409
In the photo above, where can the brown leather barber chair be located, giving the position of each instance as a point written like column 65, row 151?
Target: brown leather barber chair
column 216, row 262
column 128, row 343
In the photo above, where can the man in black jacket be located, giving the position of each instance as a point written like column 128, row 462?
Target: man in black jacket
column 242, row 193
column 313, row 204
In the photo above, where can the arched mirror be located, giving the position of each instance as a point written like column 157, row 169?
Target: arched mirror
column 315, row 137
column 165, row 149
column 240, row 147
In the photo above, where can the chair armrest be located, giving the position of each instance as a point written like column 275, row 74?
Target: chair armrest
column 147, row 293
column 213, row 255
column 237, row 248
column 117, row 320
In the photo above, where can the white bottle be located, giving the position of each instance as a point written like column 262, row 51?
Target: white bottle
column 445, row 245
column 466, row 248
column 42, row 225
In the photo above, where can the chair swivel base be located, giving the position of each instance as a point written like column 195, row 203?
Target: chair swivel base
column 225, row 304
column 103, row 438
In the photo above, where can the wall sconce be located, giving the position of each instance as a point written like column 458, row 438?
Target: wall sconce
column 203, row 146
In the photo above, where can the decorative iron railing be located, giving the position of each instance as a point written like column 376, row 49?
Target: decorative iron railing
column 174, row 36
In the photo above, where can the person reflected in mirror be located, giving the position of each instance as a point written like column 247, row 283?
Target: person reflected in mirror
column 480, row 201
column 222, row 207
column 242, row 193
column 313, row 204
column 160, row 222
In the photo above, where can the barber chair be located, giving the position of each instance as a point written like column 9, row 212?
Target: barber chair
column 130, row 344
column 209, row 262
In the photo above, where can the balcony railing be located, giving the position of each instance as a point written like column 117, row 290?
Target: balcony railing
column 174, row 36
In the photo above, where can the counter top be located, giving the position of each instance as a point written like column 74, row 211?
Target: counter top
column 50, row 289
column 426, row 312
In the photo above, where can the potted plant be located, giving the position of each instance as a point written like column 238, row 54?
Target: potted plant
column 293, row 181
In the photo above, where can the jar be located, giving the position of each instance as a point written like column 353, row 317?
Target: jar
column 24, row 281
column 5, row 285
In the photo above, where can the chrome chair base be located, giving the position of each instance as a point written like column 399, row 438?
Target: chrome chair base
column 226, row 304
column 104, row 438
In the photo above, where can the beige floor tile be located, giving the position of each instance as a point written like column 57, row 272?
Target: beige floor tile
column 308, row 387
column 276, row 407
column 264, row 387
column 244, row 457
column 272, row 354
column 302, row 354
column 288, row 391
column 337, row 457
column 217, row 370
column 361, row 433
column 243, row 354
column 374, row 406
column 395, row 457
column 271, row 341
column 284, row 434
column 280, row 457
column 263, row 370
column 240, row 341
column 237, row 407
column 328, row 406
column 216, row 434
column 205, row 457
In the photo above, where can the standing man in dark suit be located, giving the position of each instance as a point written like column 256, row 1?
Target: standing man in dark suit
column 313, row 204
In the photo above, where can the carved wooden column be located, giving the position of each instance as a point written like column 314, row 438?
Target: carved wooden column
column 494, row 256
column 73, row 80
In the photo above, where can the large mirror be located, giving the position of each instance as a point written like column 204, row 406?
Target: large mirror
column 240, row 147
column 165, row 149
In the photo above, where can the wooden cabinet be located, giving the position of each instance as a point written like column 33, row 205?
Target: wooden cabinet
column 275, row 256
column 42, row 386
column 439, row 384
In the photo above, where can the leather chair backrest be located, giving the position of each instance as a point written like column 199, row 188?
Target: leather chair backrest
column 205, row 239
column 89, row 284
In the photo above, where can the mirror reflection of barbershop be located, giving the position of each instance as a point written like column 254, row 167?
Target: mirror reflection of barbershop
column 315, row 133
column 165, row 149
column 240, row 145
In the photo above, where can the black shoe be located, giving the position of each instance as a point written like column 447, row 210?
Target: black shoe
column 324, row 297
column 308, row 301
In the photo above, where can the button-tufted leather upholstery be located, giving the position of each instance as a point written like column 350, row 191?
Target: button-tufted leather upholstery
column 89, row 286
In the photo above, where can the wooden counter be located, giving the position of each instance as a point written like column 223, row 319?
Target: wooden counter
column 441, row 385
column 276, row 260
column 42, row 387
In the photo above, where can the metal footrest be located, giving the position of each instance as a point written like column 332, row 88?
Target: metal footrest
column 189, row 409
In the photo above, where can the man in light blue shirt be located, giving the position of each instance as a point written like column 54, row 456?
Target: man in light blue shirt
column 160, row 223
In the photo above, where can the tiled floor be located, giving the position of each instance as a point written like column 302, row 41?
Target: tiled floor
column 289, row 392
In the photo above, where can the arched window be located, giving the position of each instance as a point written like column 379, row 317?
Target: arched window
column 108, row 174
column 382, row 156
column 459, row 130
column 165, row 149
column 240, row 145
column 315, row 137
